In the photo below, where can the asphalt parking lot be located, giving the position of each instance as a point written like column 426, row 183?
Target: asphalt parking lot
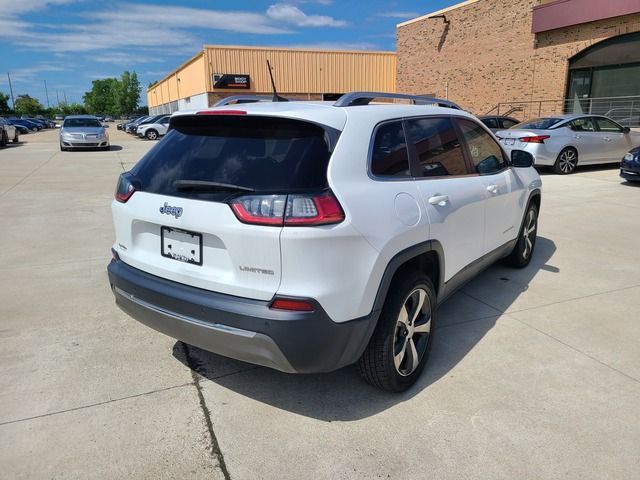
column 535, row 373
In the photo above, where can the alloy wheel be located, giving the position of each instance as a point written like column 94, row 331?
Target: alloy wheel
column 567, row 161
column 412, row 331
column 528, row 233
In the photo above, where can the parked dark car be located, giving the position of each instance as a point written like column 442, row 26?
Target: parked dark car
column 630, row 166
column 498, row 122
column 131, row 126
column 21, row 129
column 39, row 121
column 32, row 126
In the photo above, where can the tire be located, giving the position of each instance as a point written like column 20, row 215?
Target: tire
column 151, row 135
column 16, row 138
column 566, row 162
column 387, row 362
column 521, row 254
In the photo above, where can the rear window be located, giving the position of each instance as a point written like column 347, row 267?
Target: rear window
column 537, row 124
column 266, row 154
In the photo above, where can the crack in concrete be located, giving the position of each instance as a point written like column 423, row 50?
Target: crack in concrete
column 97, row 404
column 29, row 174
column 575, row 349
column 215, row 446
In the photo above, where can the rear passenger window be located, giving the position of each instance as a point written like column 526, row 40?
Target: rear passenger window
column 437, row 147
column 389, row 157
column 582, row 125
column 486, row 154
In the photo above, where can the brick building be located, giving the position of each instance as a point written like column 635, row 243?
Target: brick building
column 480, row 53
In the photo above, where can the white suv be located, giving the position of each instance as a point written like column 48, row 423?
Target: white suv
column 151, row 131
column 309, row 236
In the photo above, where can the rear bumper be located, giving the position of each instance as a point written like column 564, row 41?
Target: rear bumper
column 244, row 329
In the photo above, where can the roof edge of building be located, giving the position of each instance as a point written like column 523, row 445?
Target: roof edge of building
column 180, row 67
column 285, row 48
column 437, row 12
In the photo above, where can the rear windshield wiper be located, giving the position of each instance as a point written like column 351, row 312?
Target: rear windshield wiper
column 204, row 186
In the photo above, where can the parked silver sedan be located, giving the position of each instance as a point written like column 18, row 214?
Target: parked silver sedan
column 564, row 141
column 83, row 131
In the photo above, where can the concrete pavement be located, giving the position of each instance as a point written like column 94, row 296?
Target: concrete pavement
column 535, row 373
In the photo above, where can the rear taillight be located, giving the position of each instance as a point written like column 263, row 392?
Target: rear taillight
column 124, row 189
column 291, row 305
column 288, row 210
column 260, row 209
column 534, row 139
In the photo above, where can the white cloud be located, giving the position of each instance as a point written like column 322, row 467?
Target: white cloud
column 287, row 13
column 29, row 74
column 14, row 8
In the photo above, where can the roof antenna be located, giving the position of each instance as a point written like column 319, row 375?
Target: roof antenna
column 276, row 97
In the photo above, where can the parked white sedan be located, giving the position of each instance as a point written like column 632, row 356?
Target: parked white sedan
column 564, row 141
column 151, row 131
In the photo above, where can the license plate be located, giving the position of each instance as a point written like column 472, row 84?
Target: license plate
column 509, row 141
column 181, row 245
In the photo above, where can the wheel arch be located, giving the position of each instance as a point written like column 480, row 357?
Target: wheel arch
column 427, row 257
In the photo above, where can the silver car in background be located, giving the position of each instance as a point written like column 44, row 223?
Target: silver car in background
column 564, row 141
column 83, row 131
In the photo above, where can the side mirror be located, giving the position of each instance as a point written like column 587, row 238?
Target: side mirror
column 105, row 125
column 626, row 129
column 521, row 159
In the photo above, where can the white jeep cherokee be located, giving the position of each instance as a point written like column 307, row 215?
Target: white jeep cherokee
column 309, row 236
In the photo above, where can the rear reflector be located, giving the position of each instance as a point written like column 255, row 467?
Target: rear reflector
column 291, row 305
column 534, row 139
column 222, row 112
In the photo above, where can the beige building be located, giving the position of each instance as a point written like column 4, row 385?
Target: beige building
column 220, row 71
column 528, row 55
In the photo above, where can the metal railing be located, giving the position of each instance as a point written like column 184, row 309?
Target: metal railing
column 624, row 110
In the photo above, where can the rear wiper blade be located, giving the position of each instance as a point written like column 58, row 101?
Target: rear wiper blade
column 204, row 186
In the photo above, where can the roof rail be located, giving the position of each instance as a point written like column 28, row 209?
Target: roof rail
column 235, row 99
column 364, row 98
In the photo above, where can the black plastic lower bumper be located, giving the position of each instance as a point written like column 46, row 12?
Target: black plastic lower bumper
column 240, row 328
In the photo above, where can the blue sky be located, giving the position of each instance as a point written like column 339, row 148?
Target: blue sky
column 69, row 43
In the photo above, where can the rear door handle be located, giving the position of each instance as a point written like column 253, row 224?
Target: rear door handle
column 440, row 200
column 607, row 139
column 493, row 189
column 577, row 136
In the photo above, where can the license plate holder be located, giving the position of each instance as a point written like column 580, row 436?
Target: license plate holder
column 181, row 245
column 509, row 141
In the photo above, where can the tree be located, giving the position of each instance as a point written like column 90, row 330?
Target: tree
column 71, row 109
column 103, row 97
column 26, row 105
column 112, row 96
column 129, row 92
column 4, row 104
